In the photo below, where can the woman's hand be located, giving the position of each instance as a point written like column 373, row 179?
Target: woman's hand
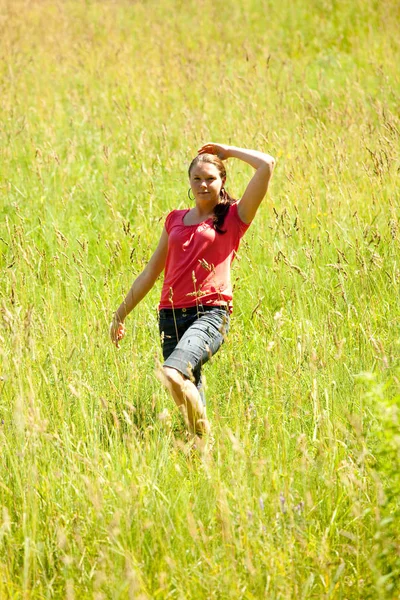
column 220, row 150
column 117, row 331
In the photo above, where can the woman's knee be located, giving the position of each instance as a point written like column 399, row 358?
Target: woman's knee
column 174, row 377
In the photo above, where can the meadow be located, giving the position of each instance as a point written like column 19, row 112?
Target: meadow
column 102, row 106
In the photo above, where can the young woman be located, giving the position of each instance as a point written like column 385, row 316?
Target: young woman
column 196, row 250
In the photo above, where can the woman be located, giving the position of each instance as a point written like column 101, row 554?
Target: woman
column 196, row 249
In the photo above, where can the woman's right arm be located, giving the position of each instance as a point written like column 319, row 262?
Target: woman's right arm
column 140, row 287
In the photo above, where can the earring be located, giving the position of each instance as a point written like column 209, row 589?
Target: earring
column 190, row 197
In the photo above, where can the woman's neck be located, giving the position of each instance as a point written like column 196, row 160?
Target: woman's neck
column 204, row 210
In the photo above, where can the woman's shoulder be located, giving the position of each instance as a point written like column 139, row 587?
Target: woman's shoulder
column 233, row 210
column 233, row 216
column 177, row 213
column 174, row 217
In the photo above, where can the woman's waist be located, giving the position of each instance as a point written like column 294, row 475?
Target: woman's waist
column 183, row 292
column 192, row 310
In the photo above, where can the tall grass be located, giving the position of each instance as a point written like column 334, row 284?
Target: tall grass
column 103, row 104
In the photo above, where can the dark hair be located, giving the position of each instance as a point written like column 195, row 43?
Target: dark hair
column 220, row 209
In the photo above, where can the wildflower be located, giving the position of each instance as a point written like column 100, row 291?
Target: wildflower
column 299, row 507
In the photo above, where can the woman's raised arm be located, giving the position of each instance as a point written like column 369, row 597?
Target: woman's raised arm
column 258, row 184
column 140, row 287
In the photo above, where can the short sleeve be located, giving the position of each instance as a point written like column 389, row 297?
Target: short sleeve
column 243, row 227
column 169, row 220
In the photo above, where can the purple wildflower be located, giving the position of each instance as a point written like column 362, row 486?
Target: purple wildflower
column 282, row 501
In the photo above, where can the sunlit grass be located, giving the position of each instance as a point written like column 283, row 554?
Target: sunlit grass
column 103, row 104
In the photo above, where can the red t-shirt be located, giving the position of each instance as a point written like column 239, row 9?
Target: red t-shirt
column 197, row 270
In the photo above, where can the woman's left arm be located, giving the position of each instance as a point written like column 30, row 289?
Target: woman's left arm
column 258, row 184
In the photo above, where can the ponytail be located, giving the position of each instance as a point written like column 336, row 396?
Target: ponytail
column 221, row 210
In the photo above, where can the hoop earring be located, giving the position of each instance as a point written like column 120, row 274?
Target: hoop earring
column 190, row 197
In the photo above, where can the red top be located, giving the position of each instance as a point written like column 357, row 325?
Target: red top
column 197, row 270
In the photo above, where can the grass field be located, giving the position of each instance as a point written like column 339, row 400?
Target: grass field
column 103, row 104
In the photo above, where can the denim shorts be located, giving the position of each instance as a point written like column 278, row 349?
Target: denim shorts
column 190, row 337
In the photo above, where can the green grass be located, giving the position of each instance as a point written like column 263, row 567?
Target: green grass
column 103, row 105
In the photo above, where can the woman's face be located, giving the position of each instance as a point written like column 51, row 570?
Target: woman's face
column 206, row 183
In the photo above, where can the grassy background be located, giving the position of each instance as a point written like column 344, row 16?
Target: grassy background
column 103, row 105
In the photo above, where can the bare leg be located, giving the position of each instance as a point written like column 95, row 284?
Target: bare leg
column 187, row 399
